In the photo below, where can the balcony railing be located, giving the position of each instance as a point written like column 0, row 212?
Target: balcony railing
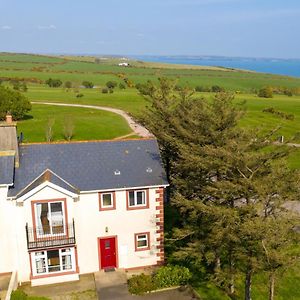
column 46, row 237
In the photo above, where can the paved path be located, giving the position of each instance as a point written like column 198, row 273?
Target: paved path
column 288, row 144
column 113, row 286
column 137, row 128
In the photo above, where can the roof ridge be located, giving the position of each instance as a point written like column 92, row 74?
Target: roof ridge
column 87, row 141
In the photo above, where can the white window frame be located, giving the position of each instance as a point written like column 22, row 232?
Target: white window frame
column 145, row 238
column 44, row 256
column 112, row 200
column 39, row 235
column 135, row 198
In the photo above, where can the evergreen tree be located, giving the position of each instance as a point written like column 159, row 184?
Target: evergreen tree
column 229, row 184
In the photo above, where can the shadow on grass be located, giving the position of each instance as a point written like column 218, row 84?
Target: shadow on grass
column 27, row 117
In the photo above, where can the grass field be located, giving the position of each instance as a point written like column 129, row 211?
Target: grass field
column 129, row 101
column 36, row 68
column 78, row 69
column 89, row 124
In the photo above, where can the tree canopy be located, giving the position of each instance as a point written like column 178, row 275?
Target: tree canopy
column 231, row 186
column 88, row 84
column 14, row 102
column 53, row 82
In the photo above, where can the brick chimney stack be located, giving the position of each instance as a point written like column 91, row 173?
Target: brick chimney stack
column 9, row 119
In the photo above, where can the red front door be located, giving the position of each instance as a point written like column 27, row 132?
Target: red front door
column 108, row 252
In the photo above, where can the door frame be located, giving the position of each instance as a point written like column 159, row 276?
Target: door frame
column 99, row 249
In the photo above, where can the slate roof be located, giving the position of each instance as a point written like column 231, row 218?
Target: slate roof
column 89, row 166
column 7, row 164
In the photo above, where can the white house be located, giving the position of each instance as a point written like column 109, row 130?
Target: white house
column 123, row 64
column 73, row 208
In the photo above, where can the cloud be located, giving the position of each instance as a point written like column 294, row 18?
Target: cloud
column 6, row 27
column 47, row 27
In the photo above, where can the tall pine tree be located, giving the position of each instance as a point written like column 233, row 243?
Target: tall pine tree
column 228, row 183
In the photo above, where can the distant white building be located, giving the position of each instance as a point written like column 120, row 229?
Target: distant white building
column 124, row 64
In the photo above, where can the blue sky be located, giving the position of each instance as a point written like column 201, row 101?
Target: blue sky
column 249, row 28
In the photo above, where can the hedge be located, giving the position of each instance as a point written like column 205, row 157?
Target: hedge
column 164, row 277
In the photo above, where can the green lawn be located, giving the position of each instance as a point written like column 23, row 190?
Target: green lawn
column 127, row 100
column 286, row 287
column 89, row 124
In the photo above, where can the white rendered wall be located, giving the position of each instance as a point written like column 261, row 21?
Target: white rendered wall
column 7, row 233
column 91, row 223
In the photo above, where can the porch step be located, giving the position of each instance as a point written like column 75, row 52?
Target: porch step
column 106, row 279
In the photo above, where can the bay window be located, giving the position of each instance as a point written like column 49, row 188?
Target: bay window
column 53, row 261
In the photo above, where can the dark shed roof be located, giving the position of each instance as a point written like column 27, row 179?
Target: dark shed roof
column 89, row 166
column 7, row 164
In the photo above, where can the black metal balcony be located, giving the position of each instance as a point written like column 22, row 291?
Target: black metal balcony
column 48, row 237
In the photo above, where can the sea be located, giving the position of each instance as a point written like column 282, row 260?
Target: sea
column 288, row 67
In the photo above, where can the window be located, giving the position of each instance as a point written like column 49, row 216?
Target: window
column 53, row 261
column 50, row 218
column 107, row 201
column 142, row 241
column 137, row 199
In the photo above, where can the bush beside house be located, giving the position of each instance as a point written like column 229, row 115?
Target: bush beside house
column 168, row 276
column 20, row 295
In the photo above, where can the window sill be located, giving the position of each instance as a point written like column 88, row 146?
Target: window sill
column 137, row 207
column 53, row 274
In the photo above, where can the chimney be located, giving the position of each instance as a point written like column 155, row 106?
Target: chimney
column 8, row 118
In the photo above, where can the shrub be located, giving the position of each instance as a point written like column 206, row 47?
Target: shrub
column 265, row 92
column 19, row 86
column 142, row 88
column 178, row 88
column 53, row 82
column 111, row 84
column 68, row 84
column 200, row 88
column 79, row 95
column 87, row 84
column 18, row 295
column 104, row 90
column 141, row 284
column 171, row 276
column 288, row 92
column 129, row 82
column 164, row 277
column 217, row 89
column 278, row 113
column 122, row 86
